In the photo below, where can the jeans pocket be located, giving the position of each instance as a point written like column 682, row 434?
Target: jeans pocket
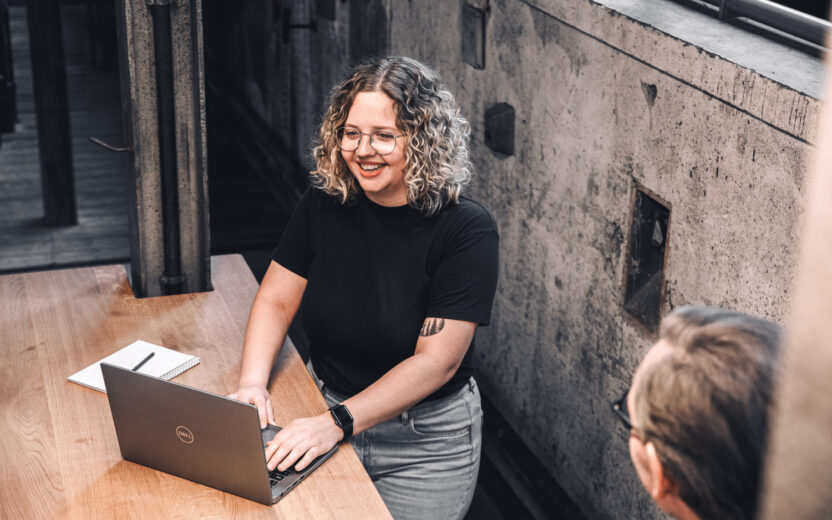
column 424, row 432
column 446, row 422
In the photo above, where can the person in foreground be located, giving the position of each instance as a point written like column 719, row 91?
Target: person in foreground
column 698, row 413
column 396, row 270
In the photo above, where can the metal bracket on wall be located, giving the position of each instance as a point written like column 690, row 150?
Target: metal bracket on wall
column 724, row 13
column 286, row 19
column 110, row 147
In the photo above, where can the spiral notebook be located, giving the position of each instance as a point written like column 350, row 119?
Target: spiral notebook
column 164, row 364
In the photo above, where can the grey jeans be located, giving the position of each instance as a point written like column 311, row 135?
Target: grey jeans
column 425, row 461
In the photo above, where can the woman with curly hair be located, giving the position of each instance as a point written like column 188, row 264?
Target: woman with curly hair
column 396, row 270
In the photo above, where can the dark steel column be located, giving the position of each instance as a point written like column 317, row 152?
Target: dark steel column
column 52, row 108
column 172, row 278
column 8, row 103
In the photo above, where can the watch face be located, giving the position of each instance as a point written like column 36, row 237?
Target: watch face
column 342, row 415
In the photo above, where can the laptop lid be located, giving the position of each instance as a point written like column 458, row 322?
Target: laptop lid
column 189, row 433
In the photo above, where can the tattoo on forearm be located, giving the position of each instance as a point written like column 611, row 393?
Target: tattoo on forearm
column 432, row 326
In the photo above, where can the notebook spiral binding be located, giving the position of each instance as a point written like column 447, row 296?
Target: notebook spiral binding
column 181, row 368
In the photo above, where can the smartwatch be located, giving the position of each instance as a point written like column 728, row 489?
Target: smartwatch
column 343, row 419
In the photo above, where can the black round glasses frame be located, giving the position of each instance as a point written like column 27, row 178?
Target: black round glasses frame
column 339, row 133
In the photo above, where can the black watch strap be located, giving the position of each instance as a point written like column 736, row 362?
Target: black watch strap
column 343, row 419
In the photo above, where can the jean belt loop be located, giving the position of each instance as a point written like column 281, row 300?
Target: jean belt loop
column 318, row 381
column 405, row 417
column 471, row 383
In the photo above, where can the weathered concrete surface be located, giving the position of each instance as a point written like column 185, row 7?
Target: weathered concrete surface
column 704, row 52
column 139, row 110
column 729, row 161
column 787, row 66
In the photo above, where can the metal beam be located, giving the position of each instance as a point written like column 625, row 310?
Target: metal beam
column 777, row 16
column 8, row 101
column 52, row 109
column 163, row 100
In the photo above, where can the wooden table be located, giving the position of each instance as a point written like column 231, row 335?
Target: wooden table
column 59, row 452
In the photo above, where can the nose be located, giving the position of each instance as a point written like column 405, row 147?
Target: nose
column 364, row 149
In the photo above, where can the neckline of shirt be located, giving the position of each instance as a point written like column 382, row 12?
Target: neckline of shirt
column 392, row 209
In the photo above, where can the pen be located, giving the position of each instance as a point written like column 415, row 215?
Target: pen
column 143, row 361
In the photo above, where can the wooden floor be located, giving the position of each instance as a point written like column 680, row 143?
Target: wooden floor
column 100, row 175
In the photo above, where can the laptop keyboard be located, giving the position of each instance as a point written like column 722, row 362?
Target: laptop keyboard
column 276, row 476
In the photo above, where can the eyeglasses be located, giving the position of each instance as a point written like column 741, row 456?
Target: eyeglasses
column 619, row 407
column 382, row 141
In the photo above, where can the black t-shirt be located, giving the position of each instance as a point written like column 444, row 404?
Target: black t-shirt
column 375, row 273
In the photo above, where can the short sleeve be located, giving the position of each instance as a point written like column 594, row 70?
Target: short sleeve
column 294, row 251
column 465, row 282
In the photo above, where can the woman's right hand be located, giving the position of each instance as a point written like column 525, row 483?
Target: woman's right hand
column 258, row 396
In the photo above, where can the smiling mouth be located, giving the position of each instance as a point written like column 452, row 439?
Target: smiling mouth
column 370, row 168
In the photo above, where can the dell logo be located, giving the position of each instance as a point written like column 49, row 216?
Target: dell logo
column 184, row 434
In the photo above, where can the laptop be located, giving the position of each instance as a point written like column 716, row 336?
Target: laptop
column 196, row 435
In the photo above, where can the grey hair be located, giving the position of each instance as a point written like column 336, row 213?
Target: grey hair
column 705, row 407
column 436, row 155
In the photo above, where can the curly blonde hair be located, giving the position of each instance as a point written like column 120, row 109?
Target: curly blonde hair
column 436, row 156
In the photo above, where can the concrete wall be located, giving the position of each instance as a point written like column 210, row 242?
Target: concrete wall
column 725, row 146
column 604, row 100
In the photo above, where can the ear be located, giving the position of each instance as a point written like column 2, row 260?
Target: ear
column 662, row 485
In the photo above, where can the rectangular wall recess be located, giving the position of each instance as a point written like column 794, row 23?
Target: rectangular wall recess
column 326, row 9
column 645, row 262
column 473, row 35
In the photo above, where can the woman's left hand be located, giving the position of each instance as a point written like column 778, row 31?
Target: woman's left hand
column 301, row 441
